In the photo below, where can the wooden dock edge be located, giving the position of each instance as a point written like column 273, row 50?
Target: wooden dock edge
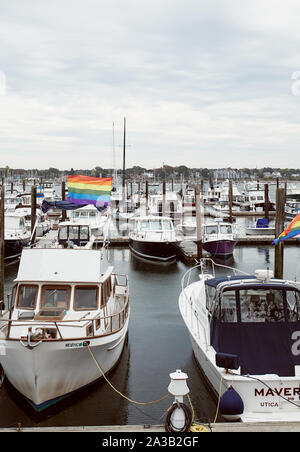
column 227, row 427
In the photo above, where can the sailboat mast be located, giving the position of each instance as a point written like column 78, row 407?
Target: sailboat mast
column 124, row 165
column 115, row 175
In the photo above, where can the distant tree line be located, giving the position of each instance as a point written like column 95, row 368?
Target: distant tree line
column 164, row 172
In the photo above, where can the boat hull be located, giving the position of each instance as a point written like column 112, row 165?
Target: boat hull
column 260, row 231
column 13, row 248
column 159, row 251
column 220, row 247
column 55, row 369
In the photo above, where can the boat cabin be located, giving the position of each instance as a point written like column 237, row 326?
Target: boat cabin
column 55, row 285
column 217, row 228
column 255, row 321
column 147, row 227
column 76, row 234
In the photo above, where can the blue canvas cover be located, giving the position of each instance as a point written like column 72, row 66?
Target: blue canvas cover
column 63, row 205
column 262, row 223
column 262, row 347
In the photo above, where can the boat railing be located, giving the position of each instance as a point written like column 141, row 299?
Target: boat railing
column 101, row 324
column 203, row 265
column 186, row 281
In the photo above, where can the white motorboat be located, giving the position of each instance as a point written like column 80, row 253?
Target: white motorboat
column 169, row 205
column 16, row 236
column 67, row 317
column 244, row 331
column 153, row 238
column 89, row 215
column 219, row 238
column 261, row 227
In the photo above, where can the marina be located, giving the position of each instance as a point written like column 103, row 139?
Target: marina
column 149, row 219
column 157, row 342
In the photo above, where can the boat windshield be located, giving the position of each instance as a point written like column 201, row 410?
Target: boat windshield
column 225, row 229
column 260, row 304
column 155, row 225
column 86, row 297
column 212, row 229
column 55, row 297
column 27, row 296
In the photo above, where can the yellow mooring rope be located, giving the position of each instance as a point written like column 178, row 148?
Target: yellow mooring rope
column 118, row 392
column 196, row 428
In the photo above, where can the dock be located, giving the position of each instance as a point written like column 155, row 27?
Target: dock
column 186, row 250
column 222, row 427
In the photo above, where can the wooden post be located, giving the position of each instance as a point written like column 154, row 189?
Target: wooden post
column 63, row 197
column 147, row 194
column 139, row 194
column 164, row 198
column 33, row 213
column 198, row 222
column 279, row 228
column 2, row 244
column 267, row 216
column 230, row 201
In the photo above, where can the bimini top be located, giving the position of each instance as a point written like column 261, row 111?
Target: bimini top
column 214, row 282
column 62, row 265
column 246, row 280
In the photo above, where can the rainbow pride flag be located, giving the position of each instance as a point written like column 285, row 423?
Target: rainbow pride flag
column 291, row 231
column 85, row 190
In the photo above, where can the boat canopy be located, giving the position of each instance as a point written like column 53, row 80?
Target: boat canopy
column 262, row 223
column 256, row 321
column 53, row 265
column 63, row 205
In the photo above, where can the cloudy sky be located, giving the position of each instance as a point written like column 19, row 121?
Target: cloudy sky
column 201, row 83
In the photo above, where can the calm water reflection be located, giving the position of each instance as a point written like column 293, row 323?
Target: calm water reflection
column 158, row 344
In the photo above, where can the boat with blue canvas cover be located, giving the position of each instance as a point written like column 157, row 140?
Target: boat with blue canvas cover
column 245, row 334
column 261, row 227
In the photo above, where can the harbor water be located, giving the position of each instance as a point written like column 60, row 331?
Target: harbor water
column 157, row 345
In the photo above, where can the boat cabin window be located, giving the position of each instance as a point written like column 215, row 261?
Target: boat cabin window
column 92, row 214
column 293, row 305
column 167, row 225
column 84, row 233
column 210, row 296
column 76, row 215
column 260, row 305
column 145, row 226
column 27, row 295
column 155, row 225
column 211, row 229
column 86, row 297
column 106, row 291
column 225, row 229
column 63, row 233
column 56, row 297
column 73, row 232
column 228, row 307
